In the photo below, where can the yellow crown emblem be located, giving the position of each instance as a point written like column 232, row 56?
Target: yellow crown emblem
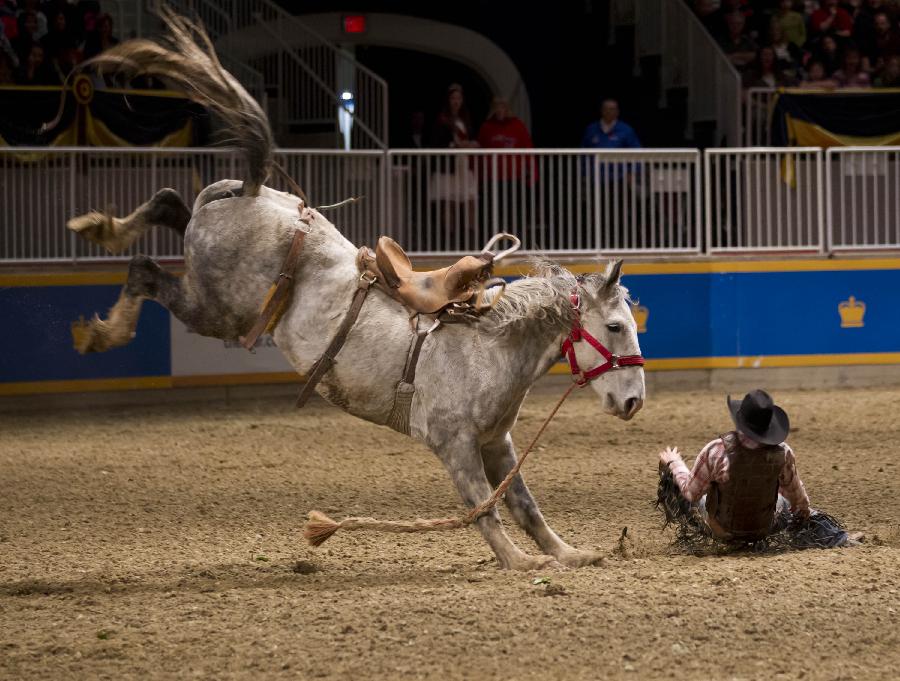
column 641, row 314
column 81, row 333
column 852, row 312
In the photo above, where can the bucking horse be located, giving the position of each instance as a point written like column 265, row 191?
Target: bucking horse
column 471, row 377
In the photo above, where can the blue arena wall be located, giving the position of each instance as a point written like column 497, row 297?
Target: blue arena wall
column 693, row 315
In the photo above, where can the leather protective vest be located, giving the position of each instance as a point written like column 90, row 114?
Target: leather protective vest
column 745, row 505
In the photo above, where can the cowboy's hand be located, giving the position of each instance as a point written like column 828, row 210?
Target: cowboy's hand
column 669, row 455
column 801, row 514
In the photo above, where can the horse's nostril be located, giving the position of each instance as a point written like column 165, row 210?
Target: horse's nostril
column 631, row 404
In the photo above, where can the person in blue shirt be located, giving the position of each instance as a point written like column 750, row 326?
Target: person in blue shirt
column 617, row 177
column 609, row 132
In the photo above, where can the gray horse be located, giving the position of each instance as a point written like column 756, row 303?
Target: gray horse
column 472, row 377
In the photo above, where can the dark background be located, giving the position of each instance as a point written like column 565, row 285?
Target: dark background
column 560, row 48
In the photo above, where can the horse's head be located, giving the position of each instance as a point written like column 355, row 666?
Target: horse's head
column 608, row 354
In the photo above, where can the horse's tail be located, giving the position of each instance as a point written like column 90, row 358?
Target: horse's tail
column 188, row 59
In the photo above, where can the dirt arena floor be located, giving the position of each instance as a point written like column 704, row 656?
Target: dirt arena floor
column 164, row 542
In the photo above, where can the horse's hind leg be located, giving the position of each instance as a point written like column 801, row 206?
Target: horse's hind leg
column 499, row 458
column 146, row 279
column 165, row 209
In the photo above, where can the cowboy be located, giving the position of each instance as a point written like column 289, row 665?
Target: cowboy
column 744, row 485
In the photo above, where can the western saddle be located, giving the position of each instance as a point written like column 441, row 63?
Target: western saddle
column 458, row 288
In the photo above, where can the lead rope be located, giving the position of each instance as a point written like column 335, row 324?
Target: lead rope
column 320, row 527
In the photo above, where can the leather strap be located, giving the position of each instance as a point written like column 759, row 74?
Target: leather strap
column 409, row 375
column 325, row 362
column 282, row 289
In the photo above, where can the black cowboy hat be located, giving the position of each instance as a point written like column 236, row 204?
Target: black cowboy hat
column 758, row 417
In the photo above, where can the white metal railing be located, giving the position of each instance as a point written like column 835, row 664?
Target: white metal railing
column 564, row 200
column 691, row 59
column 864, row 211
column 764, row 199
column 443, row 202
column 758, row 105
column 41, row 188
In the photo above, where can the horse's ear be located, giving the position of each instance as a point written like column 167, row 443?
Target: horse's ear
column 612, row 276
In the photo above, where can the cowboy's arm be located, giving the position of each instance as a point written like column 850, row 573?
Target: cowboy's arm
column 790, row 486
column 693, row 483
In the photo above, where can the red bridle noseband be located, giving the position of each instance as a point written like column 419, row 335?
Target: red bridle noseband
column 578, row 334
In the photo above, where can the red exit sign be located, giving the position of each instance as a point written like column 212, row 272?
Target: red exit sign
column 354, row 23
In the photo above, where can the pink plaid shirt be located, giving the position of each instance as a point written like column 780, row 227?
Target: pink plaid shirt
column 711, row 465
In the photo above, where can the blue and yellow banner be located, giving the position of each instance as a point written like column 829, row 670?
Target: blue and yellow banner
column 99, row 117
column 691, row 315
column 825, row 119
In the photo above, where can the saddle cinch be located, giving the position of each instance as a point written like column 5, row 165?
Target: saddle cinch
column 450, row 291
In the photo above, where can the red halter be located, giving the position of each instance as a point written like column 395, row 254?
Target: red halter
column 578, row 334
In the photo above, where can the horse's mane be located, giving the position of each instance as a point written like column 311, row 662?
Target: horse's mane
column 542, row 295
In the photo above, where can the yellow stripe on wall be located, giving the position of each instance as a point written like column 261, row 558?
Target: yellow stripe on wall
column 86, row 385
column 208, row 380
column 695, row 267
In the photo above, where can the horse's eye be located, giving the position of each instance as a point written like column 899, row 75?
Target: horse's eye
column 615, row 328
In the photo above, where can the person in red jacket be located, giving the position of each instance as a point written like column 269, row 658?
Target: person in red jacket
column 503, row 130
column 830, row 18
column 506, row 174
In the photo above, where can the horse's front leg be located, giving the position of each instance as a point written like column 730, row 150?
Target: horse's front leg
column 460, row 455
column 499, row 457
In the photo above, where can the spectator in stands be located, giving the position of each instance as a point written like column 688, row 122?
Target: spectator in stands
column 28, row 27
column 609, row 132
column 738, row 46
column 454, row 125
column 6, row 47
column 7, row 70
column 828, row 55
column 455, row 187
column 60, row 49
column 851, row 73
column 746, row 9
column 791, row 23
column 710, row 14
column 817, row 78
column 890, row 73
column 416, row 137
column 87, row 17
column 788, row 56
column 886, row 41
column 864, row 27
column 32, row 70
column 8, row 19
column 34, row 7
column 765, row 72
column 810, row 6
column 101, row 38
column 830, row 19
column 503, row 130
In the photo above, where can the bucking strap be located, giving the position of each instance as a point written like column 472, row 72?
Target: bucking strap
column 278, row 296
column 324, row 363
